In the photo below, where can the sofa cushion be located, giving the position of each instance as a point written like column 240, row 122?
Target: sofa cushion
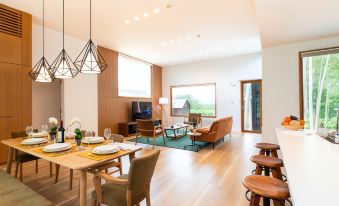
column 203, row 130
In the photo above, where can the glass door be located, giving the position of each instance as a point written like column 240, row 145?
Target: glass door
column 251, row 106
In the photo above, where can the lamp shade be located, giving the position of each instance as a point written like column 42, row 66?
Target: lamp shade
column 163, row 100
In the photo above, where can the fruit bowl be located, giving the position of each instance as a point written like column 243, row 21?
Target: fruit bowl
column 294, row 127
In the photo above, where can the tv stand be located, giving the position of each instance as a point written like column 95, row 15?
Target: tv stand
column 128, row 129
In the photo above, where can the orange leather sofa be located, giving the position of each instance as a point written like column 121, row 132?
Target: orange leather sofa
column 218, row 130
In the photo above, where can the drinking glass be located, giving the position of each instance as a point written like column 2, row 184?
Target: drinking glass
column 29, row 131
column 88, row 135
column 107, row 134
column 44, row 129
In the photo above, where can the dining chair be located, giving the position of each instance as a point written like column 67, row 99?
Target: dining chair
column 22, row 157
column 147, row 129
column 57, row 167
column 118, row 164
column 128, row 189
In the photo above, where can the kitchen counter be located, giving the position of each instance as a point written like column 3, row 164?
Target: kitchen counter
column 312, row 167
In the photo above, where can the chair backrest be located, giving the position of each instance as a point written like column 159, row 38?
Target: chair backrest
column 145, row 127
column 117, row 138
column 83, row 133
column 19, row 134
column 194, row 116
column 222, row 127
column 140, row 174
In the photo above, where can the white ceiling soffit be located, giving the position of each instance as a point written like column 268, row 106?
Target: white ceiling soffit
column 225, row 27
column 287, row 21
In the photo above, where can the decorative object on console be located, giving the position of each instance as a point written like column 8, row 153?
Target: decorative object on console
column 90, row 60
column 63, row 66
column 293, row 123
column 164, row 101
column 41, row 71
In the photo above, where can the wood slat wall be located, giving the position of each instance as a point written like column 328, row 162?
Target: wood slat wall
column 15, row 63
column 112, row 108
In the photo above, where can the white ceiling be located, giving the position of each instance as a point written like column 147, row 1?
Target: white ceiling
column 226, row 27
column 287, row 21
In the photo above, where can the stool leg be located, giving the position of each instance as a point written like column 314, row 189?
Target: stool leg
column 255, row 200
column 262, row 152
column 279, row 202
column 258, row 170
column 276, row 173
column 274, row 153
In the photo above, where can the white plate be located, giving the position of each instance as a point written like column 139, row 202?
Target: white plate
column 33, row 141
column 106, row 149
column 93, row 140
column 56, row 147
column 125, row 146
column 39, row 134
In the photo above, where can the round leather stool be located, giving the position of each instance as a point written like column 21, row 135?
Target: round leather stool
column 266, row 187
column 268, row 149
column 267, row 164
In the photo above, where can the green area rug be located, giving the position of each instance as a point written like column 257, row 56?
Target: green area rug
column 179, row 143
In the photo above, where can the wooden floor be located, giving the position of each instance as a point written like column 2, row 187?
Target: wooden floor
column 207, row 177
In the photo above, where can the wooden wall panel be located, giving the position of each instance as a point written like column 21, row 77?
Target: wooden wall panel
column 112, row 108
column 15, row 84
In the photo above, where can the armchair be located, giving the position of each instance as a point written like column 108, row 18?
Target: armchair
column 192, row 117
column 146, row 128
column 129, row 189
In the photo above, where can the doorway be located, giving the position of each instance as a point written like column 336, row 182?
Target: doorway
column 251, row 106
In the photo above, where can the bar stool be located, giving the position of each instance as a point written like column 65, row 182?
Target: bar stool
column 267, row 164
column 266, row 187
column 268, row 149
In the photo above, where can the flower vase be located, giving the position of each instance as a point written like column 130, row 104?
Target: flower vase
column 78, row 143
column 52, row 137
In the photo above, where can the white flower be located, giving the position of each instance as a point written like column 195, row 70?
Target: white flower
column 53, row 120
column 75, row 120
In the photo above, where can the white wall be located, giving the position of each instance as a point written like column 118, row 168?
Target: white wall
column 223, row 72
column 281, row 82
column 79, row 96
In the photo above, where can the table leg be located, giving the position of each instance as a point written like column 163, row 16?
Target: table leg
column 131, row 156
column 83, row 187
column 166, row 133
column 10, row 159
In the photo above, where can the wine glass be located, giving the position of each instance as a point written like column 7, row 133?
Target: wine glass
column 88, row 135
column 29, row 131
column 107, row 134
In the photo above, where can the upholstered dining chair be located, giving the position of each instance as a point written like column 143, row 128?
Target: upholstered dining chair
column 146, row 128
column 128, row 189
column 57, row 167
column 21, row 157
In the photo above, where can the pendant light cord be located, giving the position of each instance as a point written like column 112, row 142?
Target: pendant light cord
column 63, row 24
column 90, row 19
column 43, row 28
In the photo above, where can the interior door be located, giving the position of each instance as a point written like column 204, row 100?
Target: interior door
column 251, row 106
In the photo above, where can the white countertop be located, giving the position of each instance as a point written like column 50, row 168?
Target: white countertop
column 312, row 166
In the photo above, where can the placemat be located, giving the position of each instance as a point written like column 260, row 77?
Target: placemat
column 90, row 155
column 55, row 154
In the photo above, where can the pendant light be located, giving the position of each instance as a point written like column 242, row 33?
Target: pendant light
column 41, row 71
column 63, row 66
column 90, row 60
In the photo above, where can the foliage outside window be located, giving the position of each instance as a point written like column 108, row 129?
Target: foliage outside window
column 134, row 78
column 198, row 98
column 320, row 87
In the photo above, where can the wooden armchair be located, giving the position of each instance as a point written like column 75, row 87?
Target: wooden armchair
column 21, row 157
column 146, row 128
column 192, row 117
column 129, row 189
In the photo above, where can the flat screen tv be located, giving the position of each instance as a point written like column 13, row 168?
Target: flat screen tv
column 141, row 110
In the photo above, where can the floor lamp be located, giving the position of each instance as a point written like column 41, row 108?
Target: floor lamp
column 164, row 101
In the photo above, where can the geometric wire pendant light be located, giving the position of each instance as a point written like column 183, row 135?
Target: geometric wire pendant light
column 41, row 71
column 63, row 66
column 90, row 60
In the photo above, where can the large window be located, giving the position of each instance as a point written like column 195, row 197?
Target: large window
column 320, row 87
column 198, row 98
column 134, row 77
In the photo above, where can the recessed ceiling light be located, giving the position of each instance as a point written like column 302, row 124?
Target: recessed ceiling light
column 156, row 11
column 165, row 43
column 189, row 37
column 126, row 21
column 145, row 14
column 136, row 18
column 172, row 42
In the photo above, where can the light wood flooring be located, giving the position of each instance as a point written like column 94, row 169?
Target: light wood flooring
column 208, row 177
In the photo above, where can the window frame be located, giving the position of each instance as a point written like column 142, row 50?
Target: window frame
column 192, row 85
column 301, row 72
column 151, row 77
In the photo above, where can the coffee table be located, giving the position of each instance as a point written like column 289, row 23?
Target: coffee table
column 175, row 129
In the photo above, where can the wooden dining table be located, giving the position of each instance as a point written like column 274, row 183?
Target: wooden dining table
column 74, row 159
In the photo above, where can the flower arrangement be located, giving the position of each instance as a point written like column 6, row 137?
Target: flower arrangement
column 77, row 131
column 53, row 123
column 78, row 135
